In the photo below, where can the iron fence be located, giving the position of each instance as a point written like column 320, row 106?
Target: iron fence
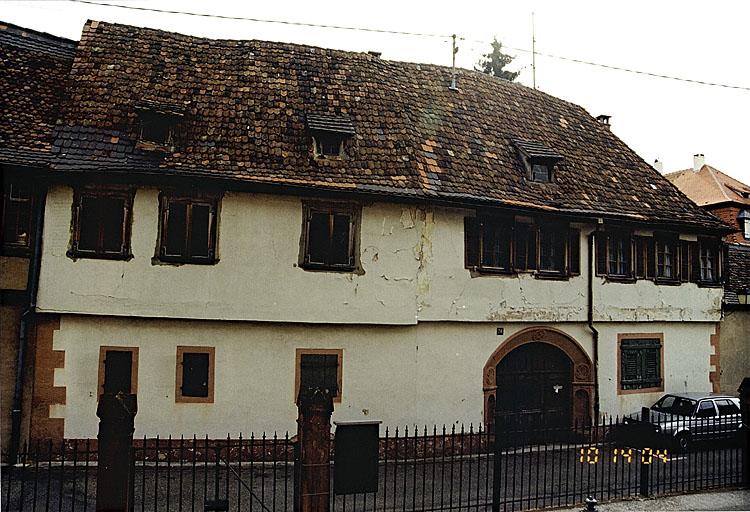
column 515, row 467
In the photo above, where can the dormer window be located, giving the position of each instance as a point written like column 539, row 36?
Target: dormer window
column 539, row 160
column 157, row 126
column 329, row 133
column 744, row 220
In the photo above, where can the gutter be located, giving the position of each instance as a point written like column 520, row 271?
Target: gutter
column 27, row 318
column 594, row 331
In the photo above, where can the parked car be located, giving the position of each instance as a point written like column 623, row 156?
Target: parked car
column 678, row 420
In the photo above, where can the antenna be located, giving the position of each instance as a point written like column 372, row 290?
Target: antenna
column 453, row 85
column 533, row 51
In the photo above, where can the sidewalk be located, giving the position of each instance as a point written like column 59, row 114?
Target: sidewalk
column 715, row 501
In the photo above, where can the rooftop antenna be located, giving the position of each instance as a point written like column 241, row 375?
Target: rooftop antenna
column 453, row 85
column 533, row 51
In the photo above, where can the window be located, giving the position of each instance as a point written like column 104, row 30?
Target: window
column 641, row 364
column 706, row 409
column 328, row 145
column 708, row 260
column 541, row 173
column 157, row 127
column 552, row 248
column 329, row 236
column 666, row 258
column 614, row 254
column 319, row 368
column 188, row 228
column 329, row 133
column 727, row 407
column 525, row 246
column 538, row 159
column 645, row 257
column 18, row 214
column 101, row 223
column 195, row 374
column 118, row 370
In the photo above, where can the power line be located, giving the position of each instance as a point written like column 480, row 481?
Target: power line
column 416, row 34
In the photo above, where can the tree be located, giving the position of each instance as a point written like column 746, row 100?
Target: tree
column 494, row 63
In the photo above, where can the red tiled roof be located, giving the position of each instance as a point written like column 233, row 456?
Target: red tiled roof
column 709, row 186
column 246, row 102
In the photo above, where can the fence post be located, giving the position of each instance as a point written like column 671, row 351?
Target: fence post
column 313, row 491
column 114, row 475
column 744, row 391
column 498, row 445
column 645, row 468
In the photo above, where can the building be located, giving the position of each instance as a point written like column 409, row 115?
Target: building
column 33, row 70
column 729, row 200
column 227, row 220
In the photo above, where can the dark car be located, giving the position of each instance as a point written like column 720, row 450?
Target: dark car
column 679, row 419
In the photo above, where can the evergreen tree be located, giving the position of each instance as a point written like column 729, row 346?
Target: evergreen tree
column 494, row 63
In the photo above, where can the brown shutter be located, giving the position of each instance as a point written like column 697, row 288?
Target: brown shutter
column 695, row 262
column 650, row 257
column 601, row 254
column 471, row 242
column 574, row 252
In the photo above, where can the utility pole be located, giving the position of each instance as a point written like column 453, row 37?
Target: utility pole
column 533, row 51
column 454, row 51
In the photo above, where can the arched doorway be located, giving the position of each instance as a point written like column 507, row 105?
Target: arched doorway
column 539, row 374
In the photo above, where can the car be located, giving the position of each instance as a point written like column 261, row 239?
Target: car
column 677, row 420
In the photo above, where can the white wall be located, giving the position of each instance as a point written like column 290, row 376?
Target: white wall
column 430, row 373
column 413, row 266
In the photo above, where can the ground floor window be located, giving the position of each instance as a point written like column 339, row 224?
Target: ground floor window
column 195, row 375
column 118, row 370
column 641, row 362
column 319, row 368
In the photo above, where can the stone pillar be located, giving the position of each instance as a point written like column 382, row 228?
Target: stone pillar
column 314, row 448
column 114, row 474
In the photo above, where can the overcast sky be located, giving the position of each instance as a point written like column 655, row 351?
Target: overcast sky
column 658, row 118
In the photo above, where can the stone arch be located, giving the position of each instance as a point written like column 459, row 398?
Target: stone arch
column 583, row 375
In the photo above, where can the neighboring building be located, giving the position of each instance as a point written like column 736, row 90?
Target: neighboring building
column 228, row 220
column 33, row 70
column 729, row 200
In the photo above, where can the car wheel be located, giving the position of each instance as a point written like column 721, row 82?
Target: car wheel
column 682, row 442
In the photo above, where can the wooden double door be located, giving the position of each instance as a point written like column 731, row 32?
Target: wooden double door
column 534, row 388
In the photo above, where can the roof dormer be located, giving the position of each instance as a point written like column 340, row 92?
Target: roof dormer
column 329, row 134
column 157, row 125
column 539, row 160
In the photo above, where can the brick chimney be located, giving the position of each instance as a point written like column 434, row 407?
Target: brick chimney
column 659, row 165
column 604, row 119
column 698, row 161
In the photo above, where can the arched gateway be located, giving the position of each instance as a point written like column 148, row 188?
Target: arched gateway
column 539, row 374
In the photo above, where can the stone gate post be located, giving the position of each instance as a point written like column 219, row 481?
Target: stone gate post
column 114, row 476
column 313, row 488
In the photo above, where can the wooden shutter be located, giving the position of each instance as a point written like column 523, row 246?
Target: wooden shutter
column 628, row 367
column 601, row 254
column 574, row 252
column 684, row 261
column 651, row 367
column 650, row 257
column 471, row 242
column 695, row 262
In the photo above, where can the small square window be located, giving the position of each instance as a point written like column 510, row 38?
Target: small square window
column 641, row 362
column 329, row 236
column 195, row 374
column 541, row 173
column 118, row 370
column 156, row 128
column 188, row 228
column 18, row 214
column 329, row 144
column 319, row 368
column 101, row 223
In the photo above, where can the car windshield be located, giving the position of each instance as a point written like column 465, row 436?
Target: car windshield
column 675, row 405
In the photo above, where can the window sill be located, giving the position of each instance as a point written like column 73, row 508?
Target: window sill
column 551, row 276
column 657, row 389
column 162, row 260
column 708, row 284
column 21, row 252
column 154, row 146
column 666, row 282
column 313, row 267
column 492, row 271
column 619, row 279
column 78, row 255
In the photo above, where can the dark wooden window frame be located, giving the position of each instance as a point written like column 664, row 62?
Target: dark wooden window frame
column 16, row 248
column 133, row 369
column 124, row 194
column 474, row 229
column 212, row 201
column 604, row 240
column 322, row 140
column 659, row 337
column 713, row 245
column 332, row 208
column 178, row 396
column 319, row 351
column 661, row 242
column 169, row 119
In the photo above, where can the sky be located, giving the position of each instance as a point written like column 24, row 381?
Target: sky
column 659, row 118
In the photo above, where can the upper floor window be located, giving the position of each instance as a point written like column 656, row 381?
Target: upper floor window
column 17, row 210
column 744, row 220
column 101, row 223
column 329, row 133
column 329, row 236
column 614, row 254
column 666, row 257
column 708, row 260
column 188, row 228
column 539, row 160
column 497, row 244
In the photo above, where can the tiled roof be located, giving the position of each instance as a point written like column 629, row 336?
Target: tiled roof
column 739, row 267
column 246, row 105
column 709, row 186
column 33, row 69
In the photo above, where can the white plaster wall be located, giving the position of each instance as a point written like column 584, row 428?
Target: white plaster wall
column 687, row 351
column 413, row 266
column 403, row 375
column 256, row 278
